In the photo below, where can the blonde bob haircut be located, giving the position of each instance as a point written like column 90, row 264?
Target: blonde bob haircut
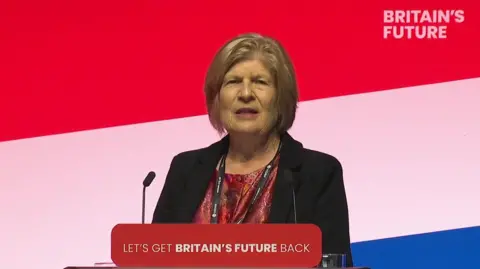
column 274, row 57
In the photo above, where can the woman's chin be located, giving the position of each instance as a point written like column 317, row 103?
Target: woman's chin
column 244, row 130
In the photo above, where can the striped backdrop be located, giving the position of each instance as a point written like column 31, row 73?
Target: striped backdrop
column 94, row 94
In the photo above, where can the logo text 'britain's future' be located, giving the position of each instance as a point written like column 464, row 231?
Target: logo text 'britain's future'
column 419, row 24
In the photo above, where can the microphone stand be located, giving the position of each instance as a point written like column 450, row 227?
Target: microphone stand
column 143, row 204
column 146, row 182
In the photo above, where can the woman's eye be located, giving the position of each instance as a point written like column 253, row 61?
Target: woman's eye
column 261, row 81
column 232, row 81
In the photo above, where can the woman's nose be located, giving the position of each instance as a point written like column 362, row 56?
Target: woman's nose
column 246, row 92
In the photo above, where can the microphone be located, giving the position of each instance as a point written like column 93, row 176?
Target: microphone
column 289, row 177
column 146, row 183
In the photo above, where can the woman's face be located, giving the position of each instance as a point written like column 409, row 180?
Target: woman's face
column 247, row 99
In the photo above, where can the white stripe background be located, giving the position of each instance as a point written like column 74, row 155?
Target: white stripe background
column 410, row 160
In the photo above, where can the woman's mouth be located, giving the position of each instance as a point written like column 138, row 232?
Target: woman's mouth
column 246, row 113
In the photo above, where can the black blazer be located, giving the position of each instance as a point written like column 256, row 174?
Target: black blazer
column 317, row 180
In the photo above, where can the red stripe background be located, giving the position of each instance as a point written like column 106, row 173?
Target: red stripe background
column 70, row 66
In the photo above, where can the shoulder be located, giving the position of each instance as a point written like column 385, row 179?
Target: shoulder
column 206, row 154
column 310, row 161
column 320, row 170
column 188, row 157
column 320, row 161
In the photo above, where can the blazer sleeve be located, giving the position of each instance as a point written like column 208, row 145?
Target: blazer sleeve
column 331, row 214
column 168, row 197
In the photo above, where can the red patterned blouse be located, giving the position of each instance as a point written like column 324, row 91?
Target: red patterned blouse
column 237, row 192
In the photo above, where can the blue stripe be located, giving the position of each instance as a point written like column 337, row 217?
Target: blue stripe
column 450, row 249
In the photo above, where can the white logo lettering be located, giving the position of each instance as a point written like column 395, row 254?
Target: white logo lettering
column 419, row 24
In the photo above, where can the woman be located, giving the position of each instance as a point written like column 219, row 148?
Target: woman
column 251, row 94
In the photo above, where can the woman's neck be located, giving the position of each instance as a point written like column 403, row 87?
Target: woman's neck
column 245, row 148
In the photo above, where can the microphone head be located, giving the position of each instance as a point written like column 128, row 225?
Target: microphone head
column 148, row 179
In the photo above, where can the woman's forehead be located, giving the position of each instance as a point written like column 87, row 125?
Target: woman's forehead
column 250, row 68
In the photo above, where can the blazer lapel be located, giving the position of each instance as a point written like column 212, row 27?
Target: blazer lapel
column 291, row 158
column 198, row 179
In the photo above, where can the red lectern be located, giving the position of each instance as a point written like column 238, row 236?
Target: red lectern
column 136, row 246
